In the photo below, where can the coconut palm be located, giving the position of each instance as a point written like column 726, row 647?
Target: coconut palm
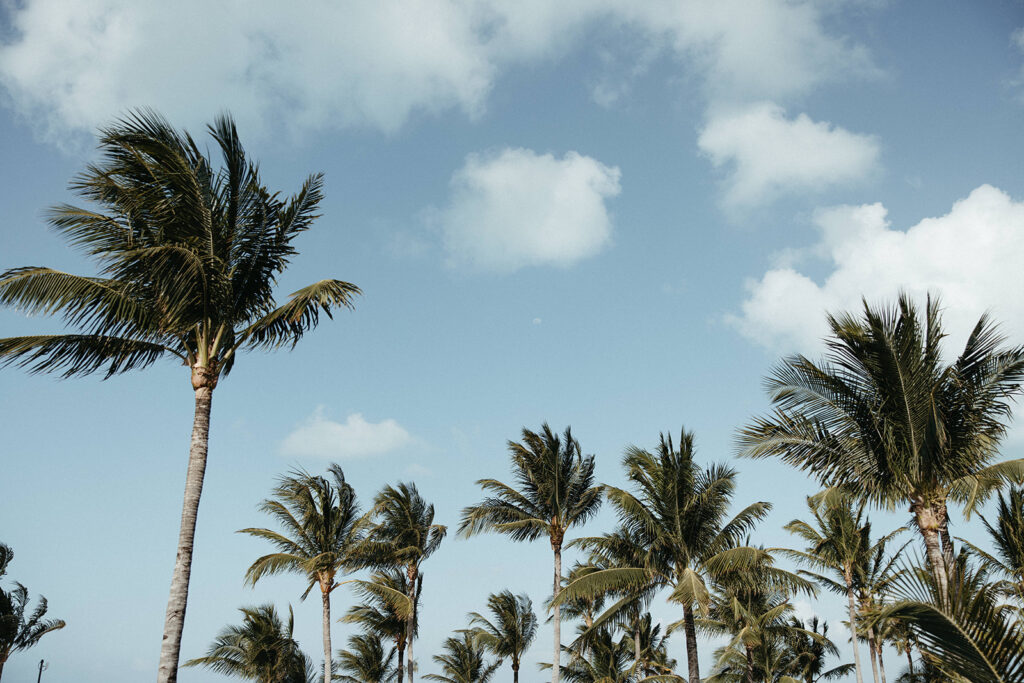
column 878, row 574
column 884, row 417
column 378, row 613
column 464, row 661
column 187, row 260
column 261, row 649
column 678, row 517
column 607, row 661
column 321, row 531
column 19, row 631
column 1007, row 538
column 512, row 631
column 366, row 661
column 649, row 647
column 403, row 536
column 811, row 648
column 556, row 491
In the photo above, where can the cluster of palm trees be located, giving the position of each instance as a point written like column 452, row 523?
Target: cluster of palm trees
column 187, row 258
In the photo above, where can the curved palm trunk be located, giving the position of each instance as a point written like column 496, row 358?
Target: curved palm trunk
column 690, row 628
column 2, row 662
column 929, row 521
column 326, row 596
column 170, row 649
column 853, row 632
column 556, row 662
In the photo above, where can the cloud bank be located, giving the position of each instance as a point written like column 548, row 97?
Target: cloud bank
column 321, row 437
column 971, row 257
column 514, row 208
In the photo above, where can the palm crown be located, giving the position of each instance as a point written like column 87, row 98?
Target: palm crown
column 18, row 630
column 513, row 629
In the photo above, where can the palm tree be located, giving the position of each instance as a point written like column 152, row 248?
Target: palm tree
column 322, row 529
column 884, row 417
column 464, row 661
column 403, row 536
column 607, row 661
column 262, row 649
column 810, row 648
column 650, row 647
column 379, row 615
column 366, row 661
column 18, row 631
column 556, row 491
column 1007, row 537
column 512, row 631
column 187, row 258
column 678, row 517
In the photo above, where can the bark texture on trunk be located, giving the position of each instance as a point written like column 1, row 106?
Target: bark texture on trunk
column 930, row 521
column 690, row 628
column 881, row 663
column 636, row 645
column 853, row 632
column 749, row 675
column 170, row 648
column 947, row 542
column 556, row 662
column 400, row 646
column 873, row 650
column 327, row 632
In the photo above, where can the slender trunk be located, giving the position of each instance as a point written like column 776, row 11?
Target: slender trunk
column 690, row 627
column 170, row 648
column 636, row 645
column 326, row 594
column 410, row 625
column 853, row 632
column 881, row 662
column 929, row 522
column 749, row 674
column 873, row 650
column 2, row 662
column 400, row 645
column 910, row 664
column 515, row 671
column 556, row 662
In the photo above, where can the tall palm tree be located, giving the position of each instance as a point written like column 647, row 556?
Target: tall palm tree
column 512, row 631
column 321, row 531
column 366, row 661
column 464, row 661
column 556, row 491
column 17, row 631
column 187, row 259
column 884, row 417
column 379, row 614
column 403, row 536
column 261, row 649
column 1007, row 538
column 678, row 516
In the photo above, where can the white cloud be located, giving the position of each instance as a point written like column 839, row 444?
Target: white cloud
column 971, row 257
column 767, row 154
column 514, row 208
column 321, row 437
column 74, row 64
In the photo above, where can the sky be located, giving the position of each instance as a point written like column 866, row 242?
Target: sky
column 609, row 214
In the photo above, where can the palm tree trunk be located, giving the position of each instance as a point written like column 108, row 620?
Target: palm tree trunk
column 400, row 646
column 326, row 595
column 853, row 632
column 881, row 663
column 947, row 542
column 2, row 662
column 929, row 523
column 690, row 627
column 910, row 664
column 170, row 649
column 874, row 655
column 515, row 671
column 749, row 674
column 556, row 662
column 410, row 625
column 636, row 645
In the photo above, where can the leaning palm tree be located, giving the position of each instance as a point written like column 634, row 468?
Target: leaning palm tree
column 464, row 661
column 556, row 491
column 1007, row 538
column 379, row 615
column 19, row 631
column 677, row 518
column 187, row 260
column 261, row 649
column 366, row 661
column 884, row 417
column 321, row 530
column 512, row 631
column 403, row 536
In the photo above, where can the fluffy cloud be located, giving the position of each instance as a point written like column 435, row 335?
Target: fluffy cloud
column 72, row 64
column 768, row 154
column 516, row 208
column 321, row 437
column 970, row 256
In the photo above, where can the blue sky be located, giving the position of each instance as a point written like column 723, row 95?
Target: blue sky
column 609, row 214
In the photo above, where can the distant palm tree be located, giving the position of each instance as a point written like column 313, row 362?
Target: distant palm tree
column 464, row 661
column 556, row 491
column 649, row 646
column 262, row 649
column 678, row 516
column 366, row 661
column 379, row 615
column 512, row 631
column 810, row 649
column 403, row 536
column 18, row 632
column 188, row 256
column 1007, row 538
column 322, row 530
column 885, row 418
column 607, row 661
